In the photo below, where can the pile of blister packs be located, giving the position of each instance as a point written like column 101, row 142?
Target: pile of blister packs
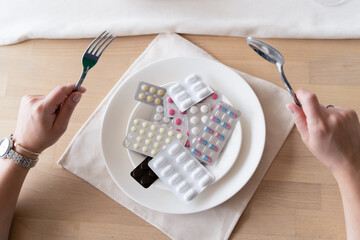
column 189, row 127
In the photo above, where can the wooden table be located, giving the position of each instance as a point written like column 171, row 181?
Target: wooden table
column 297, row 199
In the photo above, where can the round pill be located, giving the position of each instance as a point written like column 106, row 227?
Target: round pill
column 136, row 121
column 162, row 130
column 145, row 124
column 133, row 129
column 190, row 195
column 194, row 109
column 147, row 141
column 195, row 130
column 178, row 121
column 164, row 147
column 171, row 112
column 214, row 96
column 150, row 98
column 142, row 131
column 136, row 145
column 157, row 117
column 204, row 108
column 150, row 135
column 153, row 127
column 145, row 149
column 153, row 90
column 157, row 145
column 204, row 119
column 153, row 152
column 159, row 109
column 157, row 101
column 182, row 112
column 171, row 133
column 142, row 96
column 160, row 92
column 194, row 120
column 179, row 136
column 170, row 100
column 144, row 87
column 166, row 119
column 168, row 140
column 159, row 138
column 139, row 139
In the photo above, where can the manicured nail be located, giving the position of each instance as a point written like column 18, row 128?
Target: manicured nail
column 289, row 109
column 76, row 98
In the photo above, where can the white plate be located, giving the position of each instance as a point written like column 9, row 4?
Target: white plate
column 219, row 77
column 220, row 167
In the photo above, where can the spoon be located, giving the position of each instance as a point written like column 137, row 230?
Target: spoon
column 272, row 55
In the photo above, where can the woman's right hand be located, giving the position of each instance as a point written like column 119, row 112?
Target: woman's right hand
column 331, row 134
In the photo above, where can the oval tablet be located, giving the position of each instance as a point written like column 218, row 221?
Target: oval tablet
column 197, row 86
column 189, row 165
column 159, row 162
column 203, row 93
column 186, row 103
column 181, row 158
column 167, row 171
column 205, row 181
column 190, row 195
column 174, row 149
column 174, row 179
column 182, row 187
column 197, row 173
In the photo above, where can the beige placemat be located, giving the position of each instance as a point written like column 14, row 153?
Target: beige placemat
column 84, row 158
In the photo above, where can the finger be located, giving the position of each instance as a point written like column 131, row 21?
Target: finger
column 310, row 104
column 56, row 97
column 64, row 113
column 299, row 120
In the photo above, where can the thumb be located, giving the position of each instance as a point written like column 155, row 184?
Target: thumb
column 66, row 110
column 299, row 119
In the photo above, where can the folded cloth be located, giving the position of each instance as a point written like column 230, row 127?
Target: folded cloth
column 21, row 20
column 84, row 159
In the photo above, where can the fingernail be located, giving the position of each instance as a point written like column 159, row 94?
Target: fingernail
column 76, row 98
column 289, row 109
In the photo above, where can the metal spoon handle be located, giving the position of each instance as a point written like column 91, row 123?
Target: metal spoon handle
column 287, row 85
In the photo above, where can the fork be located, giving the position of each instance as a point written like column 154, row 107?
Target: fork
column 91, row 55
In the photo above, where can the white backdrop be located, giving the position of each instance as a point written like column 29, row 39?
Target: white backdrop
column 23, row 19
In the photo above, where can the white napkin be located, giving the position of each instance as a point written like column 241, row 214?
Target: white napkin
column 84, row 159
column 22, row 19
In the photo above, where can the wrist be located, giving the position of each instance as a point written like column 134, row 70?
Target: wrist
column 347, row 173
column 24, row 153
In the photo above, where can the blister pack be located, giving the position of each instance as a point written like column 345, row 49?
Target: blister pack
column 214, row 97
column 143, row 174
column 171, row 110
column 197, row 116
column 181, row 172
column 189, row 91
column 150, row 94
column 214, row 135
column 149, row 138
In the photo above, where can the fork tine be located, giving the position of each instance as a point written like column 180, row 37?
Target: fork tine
column 102, row 38
column 92, row 43
column 102, row 44
column 106, row 45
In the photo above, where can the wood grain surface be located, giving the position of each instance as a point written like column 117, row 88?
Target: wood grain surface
column 297, row 199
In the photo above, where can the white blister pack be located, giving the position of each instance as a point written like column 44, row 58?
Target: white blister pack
column 149, row 138
column 185, row 176
column 189, row 91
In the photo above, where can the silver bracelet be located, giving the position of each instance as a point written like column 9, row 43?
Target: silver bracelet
column 28, row 151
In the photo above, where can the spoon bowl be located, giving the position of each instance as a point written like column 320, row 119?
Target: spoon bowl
column 272, row 55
